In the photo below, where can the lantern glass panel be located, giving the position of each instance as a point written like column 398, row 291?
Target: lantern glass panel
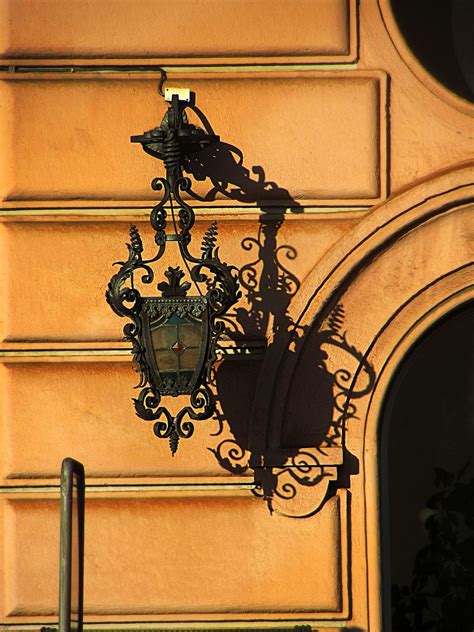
column 166, row 360
column 163, row 337
column 177, row 342
column 190, row 335
column 189, row 359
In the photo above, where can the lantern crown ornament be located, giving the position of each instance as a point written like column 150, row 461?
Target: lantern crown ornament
column 174, row 335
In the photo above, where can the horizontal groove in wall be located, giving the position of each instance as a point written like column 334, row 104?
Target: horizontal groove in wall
column 152, row 487
column 148, row 490
column 127, row 480
column 121, row 350
column 15, row 66
column 145, row 626
column 46, row 211
column 8, row 73
column 38, row 353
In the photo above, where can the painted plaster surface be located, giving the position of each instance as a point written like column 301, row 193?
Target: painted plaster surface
column 342, row 190
column 187, row 29
column 76, row 135
column 34, row 270
column 204, row 533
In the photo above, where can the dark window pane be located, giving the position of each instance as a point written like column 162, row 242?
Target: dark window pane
column 441, row 35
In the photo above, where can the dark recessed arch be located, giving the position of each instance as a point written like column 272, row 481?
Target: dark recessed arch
column 426, row 438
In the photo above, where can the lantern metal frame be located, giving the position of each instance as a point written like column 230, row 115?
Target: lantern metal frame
column 216, row 281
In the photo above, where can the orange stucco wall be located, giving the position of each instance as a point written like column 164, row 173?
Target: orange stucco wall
column 348, row 146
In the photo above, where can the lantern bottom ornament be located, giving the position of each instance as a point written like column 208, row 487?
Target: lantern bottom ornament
column 174, row 336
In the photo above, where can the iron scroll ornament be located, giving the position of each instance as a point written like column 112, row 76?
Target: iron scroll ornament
column 174, row 336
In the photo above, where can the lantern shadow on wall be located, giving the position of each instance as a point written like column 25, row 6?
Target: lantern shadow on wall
column 166, row 329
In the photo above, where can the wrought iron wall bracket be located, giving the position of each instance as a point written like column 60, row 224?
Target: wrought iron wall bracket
column 174, row 336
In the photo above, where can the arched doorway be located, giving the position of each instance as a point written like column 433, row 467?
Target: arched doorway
column 404, row 268
column 427, row 443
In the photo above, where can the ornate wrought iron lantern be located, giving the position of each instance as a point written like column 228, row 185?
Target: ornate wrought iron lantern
column 174, row 336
